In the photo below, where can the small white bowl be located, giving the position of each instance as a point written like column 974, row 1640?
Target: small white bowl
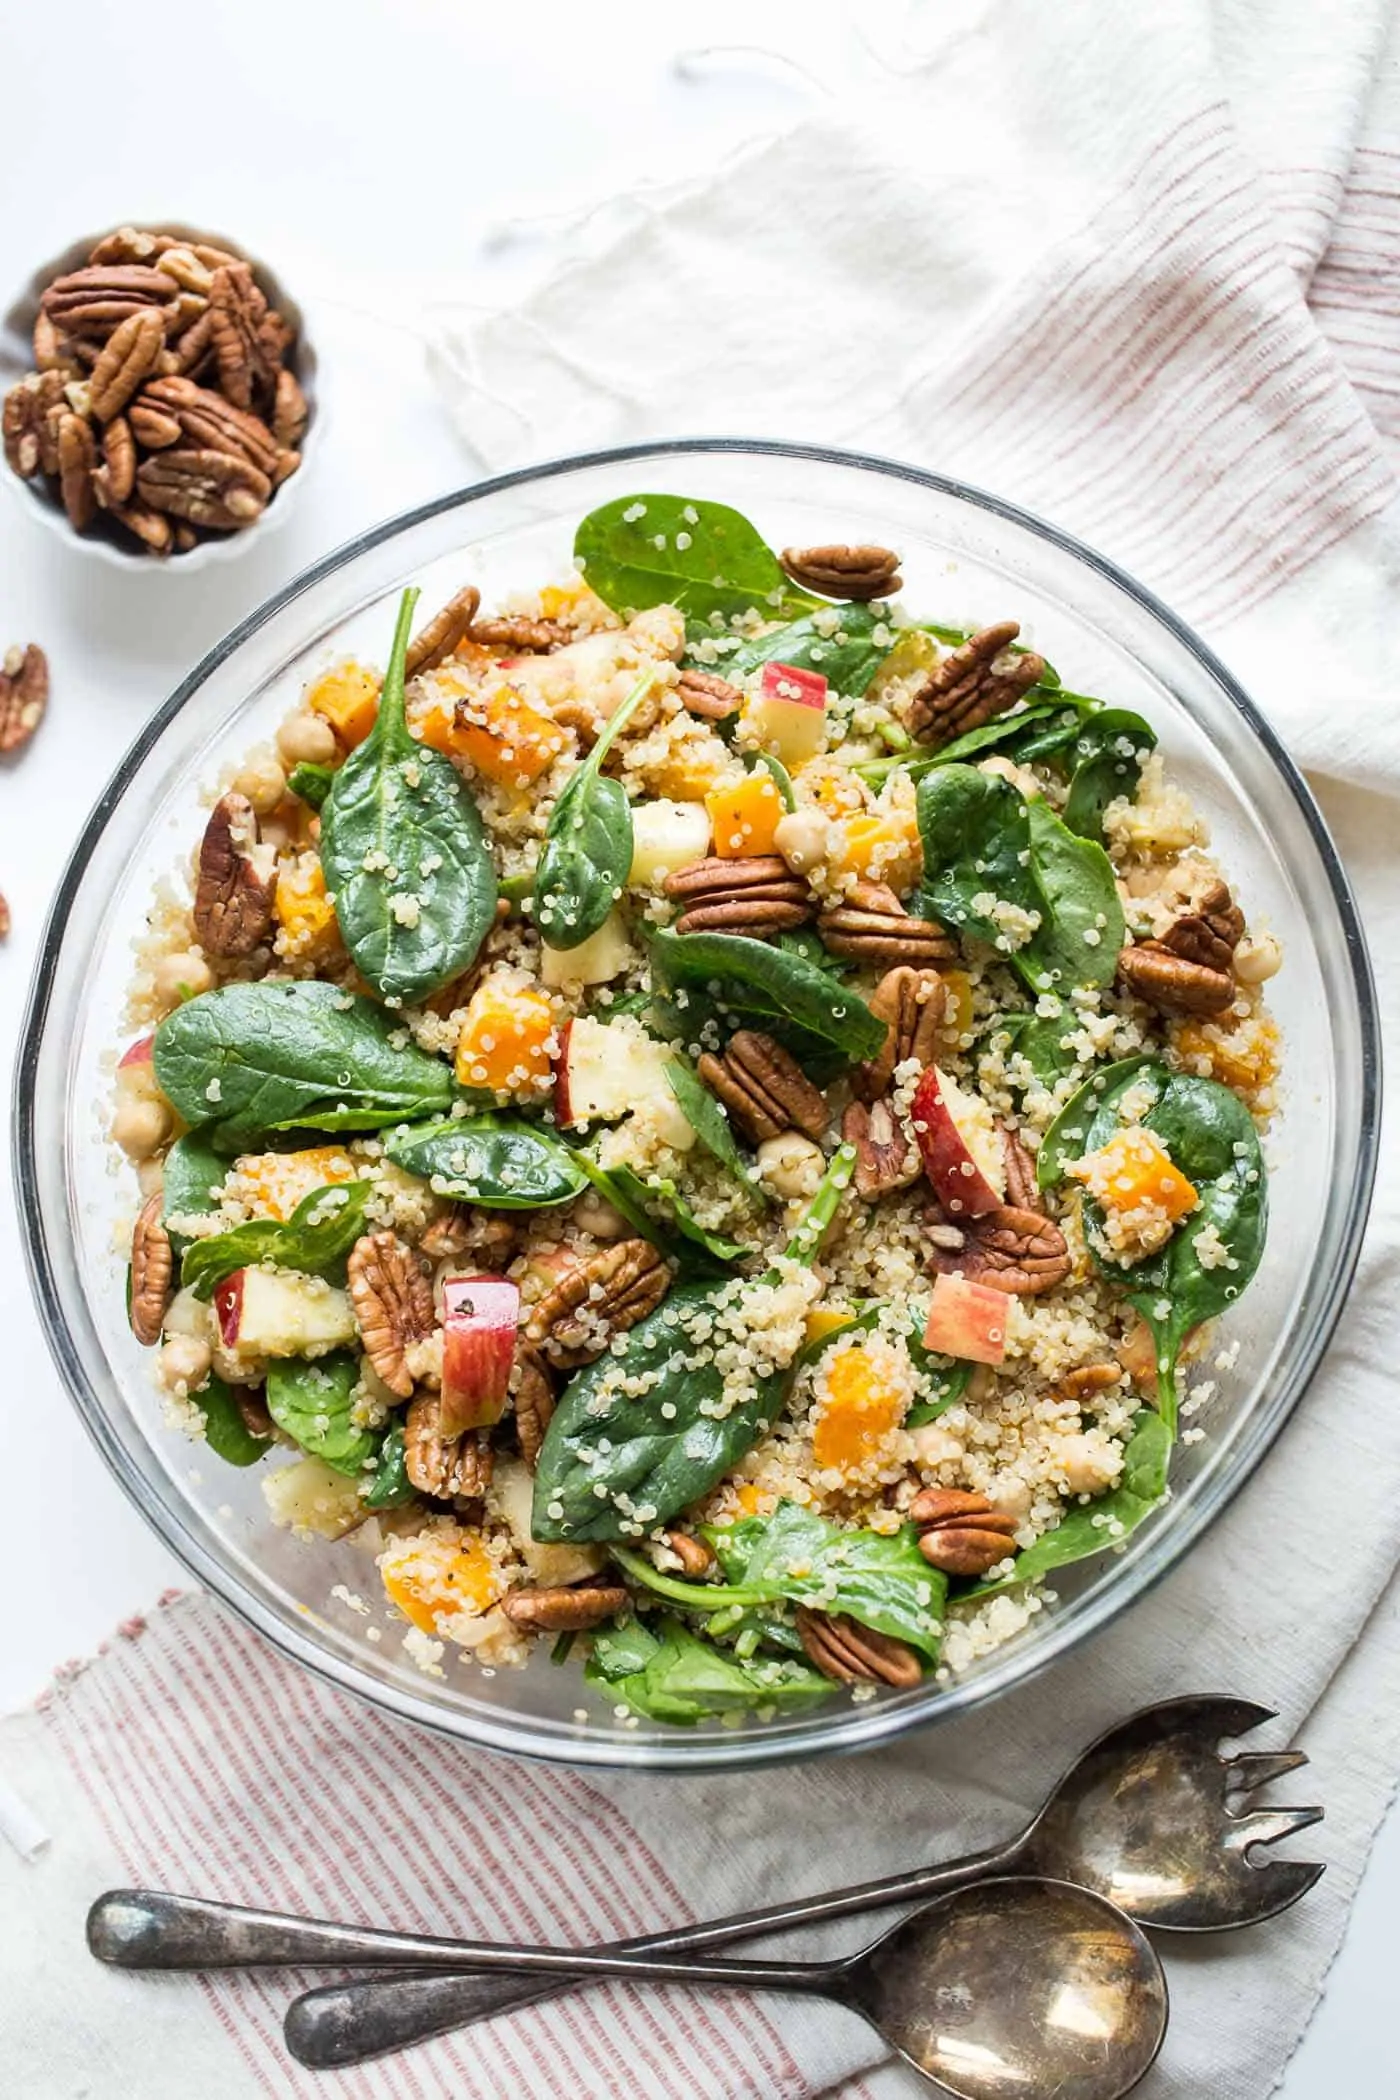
column 105, row 539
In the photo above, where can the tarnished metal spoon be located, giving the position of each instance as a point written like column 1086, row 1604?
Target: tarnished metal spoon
column 997, row 1991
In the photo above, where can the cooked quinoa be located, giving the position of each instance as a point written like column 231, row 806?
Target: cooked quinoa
column 701, row 1118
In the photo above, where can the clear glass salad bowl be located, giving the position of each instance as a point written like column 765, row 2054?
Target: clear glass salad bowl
column 968, row 558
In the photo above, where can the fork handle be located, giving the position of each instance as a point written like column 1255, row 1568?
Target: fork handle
column 342, row 2024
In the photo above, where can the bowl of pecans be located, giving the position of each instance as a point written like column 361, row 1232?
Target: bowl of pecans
column 159, row 392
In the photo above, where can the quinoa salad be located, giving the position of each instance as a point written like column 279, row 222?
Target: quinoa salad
column 700, row 1118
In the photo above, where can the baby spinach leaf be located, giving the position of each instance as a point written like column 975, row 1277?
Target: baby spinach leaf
column 314, row 1404
column 311, row 782
column 252, row 1058
column 500, row 1162
column 194, row 1175
column 319, row 1234
column 759, row 986
column 1038, row 1038
column 754, row 761
column 389, row 1485
column 1107, row 756
column 225, row 1431
column 942, row 1383
column 673, row 550
column 882, row 1581
column 649, row 1427
column 1095, row 1527
column 658, row 1212
column 844, row 650
column 404, row 852
column 976, row 835
column 1081, row 932
column 679, row 1677
column 806, row 942
column 587, row 852
column 712, row 1126
column 1088, row 1119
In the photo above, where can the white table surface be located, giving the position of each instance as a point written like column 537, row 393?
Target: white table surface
column 311, row 143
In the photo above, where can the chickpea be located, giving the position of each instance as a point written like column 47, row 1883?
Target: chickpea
column 593, row 1213
column 262, row 780
column 791, row 1165
column 186, row 1362
column 803, row 837
column 1088, row 1461
column 141, row 1127
column 1257, row 958
column 182, row 976
column 306, row 739
column 936, row 1446
column 1011, row 1495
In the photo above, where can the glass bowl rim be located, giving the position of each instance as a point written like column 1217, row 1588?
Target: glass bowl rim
column 862, row 1728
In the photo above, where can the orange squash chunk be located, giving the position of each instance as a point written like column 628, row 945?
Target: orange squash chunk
column 432, row 1579
column 348, row 698
column 858, row 1413
column 505, row 738
column 505, row 1039
column 958, row 1022
column 279, row 1181
column 745, row 815
column 304, row 911
column 1243, row 1061
column 1135, row 1168
column 879, row 846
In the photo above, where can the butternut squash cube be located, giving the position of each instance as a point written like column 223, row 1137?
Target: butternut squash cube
column 1135, row 1169
column 880, row 846
column 348, row 698
column 276, row 1182
column 434, row 1577
column 504, row 737
column 505, row 1039
column 745, row 814
column 304, row 911
column 860, row 1408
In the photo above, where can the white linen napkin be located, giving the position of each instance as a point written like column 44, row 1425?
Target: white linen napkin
column 1136, row 269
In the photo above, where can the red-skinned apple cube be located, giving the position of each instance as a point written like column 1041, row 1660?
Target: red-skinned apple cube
column 228, row 1304
column 272, row 1312
column 141, row 1052
column 967, row 1320
column 788, row 713
column 602, row 1072
column 958, row 1182
column 480, row 1319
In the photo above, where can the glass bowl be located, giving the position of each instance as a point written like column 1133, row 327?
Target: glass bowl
column 968, row 558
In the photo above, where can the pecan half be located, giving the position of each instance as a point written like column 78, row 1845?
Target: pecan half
column 289, row 410
column 5, row 919
column 443, row 1467
column 216, row 489
column 706, row 694
column 695, row 1557
column 764, row 1088
column 393, row 1303
column 914, row 1005
column 443, row 632
column 96, row 300
column 50, row 352
column 1022, row 1188
column 758, row 896
column 1171, row 983
column 154, row 531
column 243, row 353
column 596, row 1298
column 533, row 1392
column 24, row 694
column 114, row 480
column 1008, row 1249
column 252, row 1406
column 193, row 349
column 886, row 1157
column 77, row 460
column 154, row 428
column 961, row 1533
column 488, row 1235
column 1210, row 934
column 565, row 1610
column 1090, row 1378
column 127, row 244
column 871, row 926
column 233, row 895
column 130, row 354
column 207, row 422
column 850, row 1653
column 519, row 635
column 152, row 1272
column 30, row 425
column 858, row 573
column 981, row 679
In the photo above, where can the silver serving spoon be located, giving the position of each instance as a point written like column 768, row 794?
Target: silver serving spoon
column 999, row 1990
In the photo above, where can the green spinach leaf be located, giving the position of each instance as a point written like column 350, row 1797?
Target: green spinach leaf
column 312, row 783
column 882, row 1581
column 777, row 773
column 976, row 835
column 843, row 650
column 314, row 1404
column 678, row 1677
column 404, row 853
column 318, row 1235
column 1107, row 756
column 1088, row 1119
column 225, row 1431
column 1097, row 1526
column 755, row 985
column 1081, row 932
column 583, row 867
column 712, row 1127
column 658, row 1212
column 650, row 1428
column 389, row 1486
column 1039, row 1039
column 194, row 1175
column 253, row 1058
column 497, row 1161
column 673, row 550
column 942, row 1382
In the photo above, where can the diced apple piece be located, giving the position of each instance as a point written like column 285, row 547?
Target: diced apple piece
column 309, row 1498
column 603, row 956
column 510, row 1496
column 141, row 1052
column 268, row 1312
column 787, row 715
column 666, row 835
column 959, row 1183
column 480, row 1316
column 967, row 1320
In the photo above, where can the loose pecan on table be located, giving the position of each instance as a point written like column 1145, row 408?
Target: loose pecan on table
column 233, row 899
column 1190, row 970
column 596, row 1297
column 870, row 926
column 446, row 1468
column 221, row 491
column 764, row 1088
column 32, row 408
column 859, row 573
column 519, row 635
column 24, row 694
column 565, row 1610
column 850, row 1653
column 1008, row 1249
column 981, row 679
column 706, row 694
column 914, row 1005
column 393, row 1303
column 886, row 1157
column 152, row 1272
column 961, row 1533
column 758, row 896
column 1022, row 1188
column 128, row 357
column 533, row 1392
column 5, row 919
column 442, row 633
